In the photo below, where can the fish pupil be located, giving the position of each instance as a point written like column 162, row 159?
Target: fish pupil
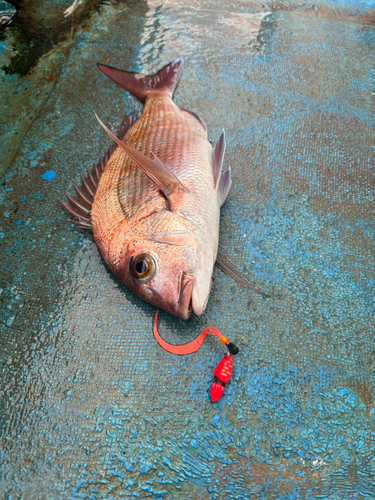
column 141, row 267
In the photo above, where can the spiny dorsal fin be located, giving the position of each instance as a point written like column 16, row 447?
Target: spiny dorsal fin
column 217, row 157
column 142, row 85
column 80, row 207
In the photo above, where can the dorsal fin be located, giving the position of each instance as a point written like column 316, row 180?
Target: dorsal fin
column 142, row 85
column 217, row 157
column 80, row 207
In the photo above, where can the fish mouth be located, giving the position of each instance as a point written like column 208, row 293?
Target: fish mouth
column 185, row 303
column 190, row 300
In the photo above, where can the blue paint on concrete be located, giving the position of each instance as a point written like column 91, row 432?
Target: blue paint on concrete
column 49, row 175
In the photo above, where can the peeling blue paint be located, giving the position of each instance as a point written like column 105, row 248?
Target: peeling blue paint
column 49, row 175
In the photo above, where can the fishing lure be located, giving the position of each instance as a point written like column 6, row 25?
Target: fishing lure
column 222, row 374
column 223, row 370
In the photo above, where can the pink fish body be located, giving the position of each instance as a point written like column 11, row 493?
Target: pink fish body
column 154, row 205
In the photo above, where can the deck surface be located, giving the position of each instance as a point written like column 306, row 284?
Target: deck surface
column 91, row 406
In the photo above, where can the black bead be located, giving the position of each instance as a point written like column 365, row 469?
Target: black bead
column 232, row 348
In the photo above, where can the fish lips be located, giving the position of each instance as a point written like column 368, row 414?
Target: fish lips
column 185, row 303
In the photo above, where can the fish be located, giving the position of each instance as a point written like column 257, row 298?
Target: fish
column 153, row 200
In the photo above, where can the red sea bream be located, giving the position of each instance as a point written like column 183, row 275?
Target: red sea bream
column 153, row 202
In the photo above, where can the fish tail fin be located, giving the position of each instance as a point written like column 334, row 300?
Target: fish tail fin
column 140, row 85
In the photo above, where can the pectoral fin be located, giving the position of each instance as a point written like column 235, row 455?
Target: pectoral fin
column 154, row 168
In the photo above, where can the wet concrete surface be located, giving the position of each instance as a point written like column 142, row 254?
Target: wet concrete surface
column 91, row 406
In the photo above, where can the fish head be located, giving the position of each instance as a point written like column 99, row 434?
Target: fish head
column 170, row 267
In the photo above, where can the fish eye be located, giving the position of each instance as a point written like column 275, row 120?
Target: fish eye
column 143, row 267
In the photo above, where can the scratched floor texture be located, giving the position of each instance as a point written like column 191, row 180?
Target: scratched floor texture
column 91, row 406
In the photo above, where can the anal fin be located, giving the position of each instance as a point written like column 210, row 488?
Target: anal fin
column 195, row 116
column 224, row 185
column 217, row 157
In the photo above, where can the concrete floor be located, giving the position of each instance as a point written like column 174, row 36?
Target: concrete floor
column 91, row 406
